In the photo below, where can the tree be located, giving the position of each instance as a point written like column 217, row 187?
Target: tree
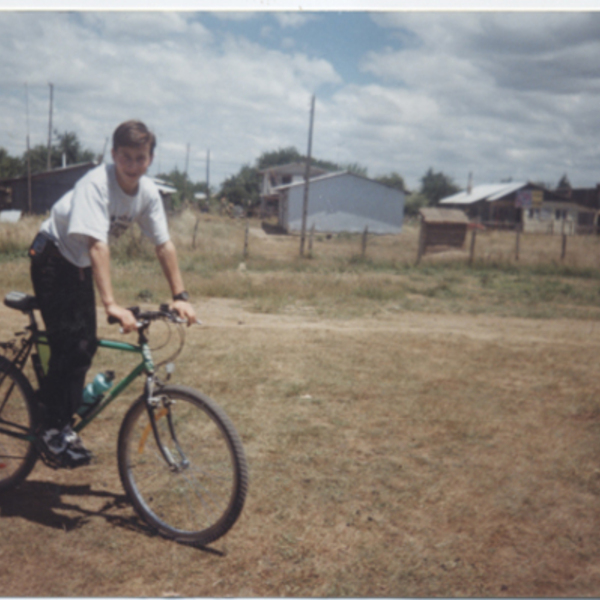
column 10, row 166
column 283, row 156
column 393, row 180
column 66, row 143
column 186, row 189
column 355, row 168
column 564, row 185
column 70, row 146
column 435, row 186
column 243, row 188
column 413, row 203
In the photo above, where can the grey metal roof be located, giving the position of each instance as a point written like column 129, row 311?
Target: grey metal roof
column 163, row 186
column 489, row 192
column 285, row 186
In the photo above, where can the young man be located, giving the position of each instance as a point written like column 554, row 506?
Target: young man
column 71, row 252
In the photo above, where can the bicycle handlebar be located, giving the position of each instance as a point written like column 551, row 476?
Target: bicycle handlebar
column 144, row 318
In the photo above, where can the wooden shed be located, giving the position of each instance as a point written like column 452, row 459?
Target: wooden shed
column 442, row 227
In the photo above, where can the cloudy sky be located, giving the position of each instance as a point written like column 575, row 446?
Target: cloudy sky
column 499, row 94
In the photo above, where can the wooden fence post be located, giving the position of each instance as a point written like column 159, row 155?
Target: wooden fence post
column 364, row 241
column 518, row 242
column 472, row 249
column 421, row 246
column 563, row 251
column 310, row 238
column 195, row 231
column 246, row 234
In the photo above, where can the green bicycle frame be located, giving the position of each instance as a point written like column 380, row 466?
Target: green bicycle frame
column 39, row 341
column 145, row 366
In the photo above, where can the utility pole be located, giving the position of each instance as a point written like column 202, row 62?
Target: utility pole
column 29, row 200
column 49, row 163
column 208, row 175
column 187, row 158
column 187, row 164
column 307, row 176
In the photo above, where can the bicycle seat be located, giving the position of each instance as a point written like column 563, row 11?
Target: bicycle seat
column 20, row 301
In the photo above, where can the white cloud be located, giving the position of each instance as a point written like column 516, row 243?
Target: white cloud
column 498, row 94
column 293, row 19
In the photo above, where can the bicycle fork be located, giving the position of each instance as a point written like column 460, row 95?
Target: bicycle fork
column 159, row 407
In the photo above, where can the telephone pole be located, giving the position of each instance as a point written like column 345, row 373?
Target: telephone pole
column 307, row 176
column 208, row 175
column 29, row 200
column 187, row 164
column 49, row 163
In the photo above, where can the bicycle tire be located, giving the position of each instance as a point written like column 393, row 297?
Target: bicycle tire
column 17, row 413
column 200, row 502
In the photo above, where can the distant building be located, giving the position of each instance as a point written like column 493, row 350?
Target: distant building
column 527, row 205
column 50, row 186
column 274, row 177
column 166, row 192
column 46, row 188
column 341, row 202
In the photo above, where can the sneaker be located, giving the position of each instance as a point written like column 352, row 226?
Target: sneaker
column 65, row 448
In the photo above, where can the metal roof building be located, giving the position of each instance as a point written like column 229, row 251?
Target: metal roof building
column 342, row 202
column 489, row 192
column 46, row 188
column 526, row 205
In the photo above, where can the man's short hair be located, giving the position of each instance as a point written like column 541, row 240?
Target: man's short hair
column 133, row 134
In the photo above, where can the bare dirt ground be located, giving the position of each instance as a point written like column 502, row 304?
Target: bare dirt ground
column 405, row 454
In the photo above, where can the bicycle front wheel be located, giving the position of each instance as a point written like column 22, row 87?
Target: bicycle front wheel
column 191, row 484
column 17, row 451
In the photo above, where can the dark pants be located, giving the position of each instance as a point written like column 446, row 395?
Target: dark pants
column 65, row 295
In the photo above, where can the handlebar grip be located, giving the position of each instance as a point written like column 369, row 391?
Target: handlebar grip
column 134, row 309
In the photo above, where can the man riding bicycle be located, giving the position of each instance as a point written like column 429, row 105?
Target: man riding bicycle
column 71, row 253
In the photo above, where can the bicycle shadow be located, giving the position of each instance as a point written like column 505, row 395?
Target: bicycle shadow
column 42, row 502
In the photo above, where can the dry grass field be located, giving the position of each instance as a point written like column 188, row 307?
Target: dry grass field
column 430, row 431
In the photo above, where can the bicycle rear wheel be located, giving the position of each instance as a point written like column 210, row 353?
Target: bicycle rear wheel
column 197, row 498
column 17, row 454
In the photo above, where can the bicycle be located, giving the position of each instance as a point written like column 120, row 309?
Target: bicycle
column 181, row 461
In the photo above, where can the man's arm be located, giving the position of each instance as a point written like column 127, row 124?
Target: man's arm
column 167, row 256
column 100, row 256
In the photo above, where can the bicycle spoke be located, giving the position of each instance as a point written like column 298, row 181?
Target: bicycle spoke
column 201, row 498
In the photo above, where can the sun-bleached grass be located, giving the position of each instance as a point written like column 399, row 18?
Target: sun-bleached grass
column 335, row 278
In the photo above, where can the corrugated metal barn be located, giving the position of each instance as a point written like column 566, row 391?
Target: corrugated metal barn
column 46, row 188
column 342, row 202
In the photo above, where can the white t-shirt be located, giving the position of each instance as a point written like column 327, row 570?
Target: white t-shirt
column 97, row 207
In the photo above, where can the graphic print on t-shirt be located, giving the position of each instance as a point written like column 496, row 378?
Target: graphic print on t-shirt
column 118, row 225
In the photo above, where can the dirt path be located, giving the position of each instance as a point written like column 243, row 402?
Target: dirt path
column 219, row 313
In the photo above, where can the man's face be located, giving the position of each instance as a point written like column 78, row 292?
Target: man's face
column 131, row 163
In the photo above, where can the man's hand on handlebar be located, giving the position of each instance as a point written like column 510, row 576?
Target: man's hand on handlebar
column 124, row 316
column 185, row 310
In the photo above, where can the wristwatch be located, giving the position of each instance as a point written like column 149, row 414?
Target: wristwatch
column 182, row 296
